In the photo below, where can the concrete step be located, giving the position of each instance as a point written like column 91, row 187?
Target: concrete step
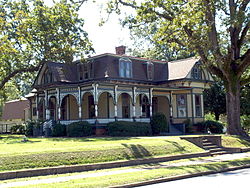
column 216, row 149
column 218, row 153
column 210, row 147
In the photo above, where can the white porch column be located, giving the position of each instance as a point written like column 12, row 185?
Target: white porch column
column 171, row 105
column 79, row 103
column 47, row 113
column 37, row 102
column 58, row 102
column 150, row 102
column 96, row 110
column 133, row 110
column 115, row 107
column 115, row 101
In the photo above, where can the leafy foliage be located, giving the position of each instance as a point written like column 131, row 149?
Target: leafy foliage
column 159, row 123
column 210, row 126
column 17, row 129
column 58, row 130
column 32, row 33
column 78, row 129
column 33, row 128
column 217, row 31
column 215, row 100
column 245, row 122
column 124, row 128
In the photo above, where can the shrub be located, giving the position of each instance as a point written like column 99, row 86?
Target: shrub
column 245, row 122
column 34, row 128
column 59, row 130
column 159, row 123
column 17, row 129
column 124, row 128
column 212, row 126
column 78, row 129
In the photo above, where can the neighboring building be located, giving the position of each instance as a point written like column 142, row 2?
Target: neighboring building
column 16, row 111
column 111, row 87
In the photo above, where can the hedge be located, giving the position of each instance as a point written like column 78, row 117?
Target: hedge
column 124, row 128
column 79, row 129
column 159, row 123
column 212, row 126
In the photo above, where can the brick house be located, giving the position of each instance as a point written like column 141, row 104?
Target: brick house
column 110, row 87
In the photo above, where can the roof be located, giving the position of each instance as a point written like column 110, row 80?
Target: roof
column 15, row 109
column 180, row 68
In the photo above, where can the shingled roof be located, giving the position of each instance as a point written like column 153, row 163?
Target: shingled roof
column 180, row 68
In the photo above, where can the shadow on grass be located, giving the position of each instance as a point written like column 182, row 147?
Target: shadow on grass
column 177, row 145
column 92, row 139
column 137, row 151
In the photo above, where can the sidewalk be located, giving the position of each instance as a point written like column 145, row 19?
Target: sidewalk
column 218, row 158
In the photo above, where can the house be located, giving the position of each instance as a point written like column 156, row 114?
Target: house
column 15, row 112
column 110, row 87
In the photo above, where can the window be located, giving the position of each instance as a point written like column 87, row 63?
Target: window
column 145, row 106
column 197, row 105
column 182, row 105
column 125, row 68
column 47, row 77
column 85, row 70
column 196, row 73
column 34, row 111
column 150, row 70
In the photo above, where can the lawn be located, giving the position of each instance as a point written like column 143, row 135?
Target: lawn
column 45, row 152
column 148, row 173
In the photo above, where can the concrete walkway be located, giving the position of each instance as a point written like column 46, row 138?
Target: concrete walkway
column 218, row 158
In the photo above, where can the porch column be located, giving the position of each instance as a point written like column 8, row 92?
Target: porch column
column 79, row 103
column 58, row 102
column 115, row 101
column 150, row 102
column 47, row 114
column 95, row 86
column 37, row 102
column 171, row 105
column 134, row 111
column 96, row 110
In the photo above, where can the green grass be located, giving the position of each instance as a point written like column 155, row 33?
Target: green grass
column 234, row 141
column 45, row 152
column 144, row 175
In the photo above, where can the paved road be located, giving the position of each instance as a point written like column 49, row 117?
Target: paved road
column 231, row 179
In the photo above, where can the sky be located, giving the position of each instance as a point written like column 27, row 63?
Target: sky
column 106, row 37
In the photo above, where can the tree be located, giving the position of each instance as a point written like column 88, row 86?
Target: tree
column 215, row 100
column 244, row 100
column 32, row 33
column 217, row 30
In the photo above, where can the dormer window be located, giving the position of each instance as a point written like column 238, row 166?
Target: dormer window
column 150, row 70
column 85, row 70
column 47, row 77
column 196, row 73
column 125, row 68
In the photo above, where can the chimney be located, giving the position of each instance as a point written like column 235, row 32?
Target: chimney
column 120, row 50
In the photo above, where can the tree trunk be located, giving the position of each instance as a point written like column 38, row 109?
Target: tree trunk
column 217, row 116
column 233, row 110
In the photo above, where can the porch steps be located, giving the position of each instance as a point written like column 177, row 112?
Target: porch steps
column 213, row 148
column 173, row 131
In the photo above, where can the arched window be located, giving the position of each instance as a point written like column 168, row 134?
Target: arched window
column 150, row 70
column 196, row 73
column 125, row 68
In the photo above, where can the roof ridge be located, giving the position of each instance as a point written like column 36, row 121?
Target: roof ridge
column 179, row 60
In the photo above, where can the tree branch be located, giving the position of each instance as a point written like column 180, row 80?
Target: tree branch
column 245, row 63
column 243, row 34
column 15, row 72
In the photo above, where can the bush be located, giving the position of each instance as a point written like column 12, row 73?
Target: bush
column 159, row 123
column 245, row 122
column 124, row 128
column 34, row 128
column 212, row 126
column 78, row 129
column 59, row 130
column 17, row 129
